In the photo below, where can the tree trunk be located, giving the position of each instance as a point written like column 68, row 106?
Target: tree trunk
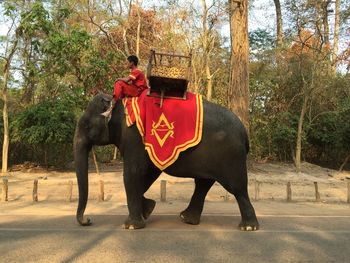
column 209, row 82
column 6, row 142
column 206, row 50
column 125, row 29
column 300, row 135
column 238, row 90
column 138, row 32
column 325, row 5
column 195, row 79
column 344, row 163
column 279, row 23
column 336, row 36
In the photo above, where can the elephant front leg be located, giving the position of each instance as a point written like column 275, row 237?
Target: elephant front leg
column 192, row 214
column 133, row 183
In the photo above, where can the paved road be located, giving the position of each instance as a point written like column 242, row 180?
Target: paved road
column 310, row 237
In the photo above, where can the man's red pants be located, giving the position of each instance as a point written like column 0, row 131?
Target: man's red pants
column 122, row 89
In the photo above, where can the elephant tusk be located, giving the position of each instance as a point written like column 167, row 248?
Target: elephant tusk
column 108, row 113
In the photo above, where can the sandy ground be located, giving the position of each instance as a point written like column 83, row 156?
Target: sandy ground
column 272, row 177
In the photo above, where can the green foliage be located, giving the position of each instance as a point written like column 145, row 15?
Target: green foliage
column 261, row 40
column 66, row 51
column 45, row 132
column 35, row 19
column 9, row 9
column 49, row 122
column 324, row 132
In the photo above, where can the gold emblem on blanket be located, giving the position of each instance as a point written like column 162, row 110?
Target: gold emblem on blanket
column 162, row 130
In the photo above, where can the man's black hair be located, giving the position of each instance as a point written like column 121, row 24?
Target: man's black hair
column 133, row 59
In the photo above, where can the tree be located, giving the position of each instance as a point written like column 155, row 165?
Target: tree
column 336, row 36
column 238, row 90
column 9, row 53
column 46, row 127
column 279, row 23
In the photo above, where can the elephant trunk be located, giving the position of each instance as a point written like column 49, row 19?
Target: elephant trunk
column 81, row 152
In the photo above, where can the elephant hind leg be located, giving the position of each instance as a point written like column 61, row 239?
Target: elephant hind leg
column 239, row 188
column 192, row 214
column 249, row 221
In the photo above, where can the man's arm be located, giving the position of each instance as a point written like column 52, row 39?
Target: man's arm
column 126, row 80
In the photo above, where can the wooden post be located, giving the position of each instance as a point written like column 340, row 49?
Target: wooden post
column 348, row 192
column 70, row 191
column 35, row 191
column 289, row 192
column 257, row 190
column 317, row 194
column 101, row 196
column 5, row 190
column 163, row 190
column 115, row 153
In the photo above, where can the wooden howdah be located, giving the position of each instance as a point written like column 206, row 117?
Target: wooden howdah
column 168, row 75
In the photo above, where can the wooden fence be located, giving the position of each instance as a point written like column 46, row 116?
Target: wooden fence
column 258, row 186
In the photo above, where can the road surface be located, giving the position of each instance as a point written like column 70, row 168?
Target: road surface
column 289, row 233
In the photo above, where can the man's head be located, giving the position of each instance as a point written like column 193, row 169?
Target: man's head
column 133, row 61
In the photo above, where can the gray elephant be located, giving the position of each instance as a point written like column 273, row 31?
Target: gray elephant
column 220, row 156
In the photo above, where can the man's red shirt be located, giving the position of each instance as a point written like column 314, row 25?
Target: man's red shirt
column 138, row 79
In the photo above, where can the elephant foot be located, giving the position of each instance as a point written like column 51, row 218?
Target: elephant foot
column 189, row 217
column 84, row 222
column 148, row 206
column 249, row 226
column 134, row 224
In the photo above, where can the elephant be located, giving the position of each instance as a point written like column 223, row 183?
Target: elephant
column 219, row 157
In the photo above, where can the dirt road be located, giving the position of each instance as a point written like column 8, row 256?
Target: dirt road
column 290, row 232
column 298, row 231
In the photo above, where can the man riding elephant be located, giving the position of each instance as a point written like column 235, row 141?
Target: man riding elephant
column 132, row 85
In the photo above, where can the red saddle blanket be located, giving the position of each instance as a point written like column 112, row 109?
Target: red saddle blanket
column 166, row 130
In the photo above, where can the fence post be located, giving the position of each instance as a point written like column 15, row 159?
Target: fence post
column 70, row 191
column 35, row 191
column 5, row 190
column 101, row 196
column 289, row 192
column 317, row 194
column 163, row 190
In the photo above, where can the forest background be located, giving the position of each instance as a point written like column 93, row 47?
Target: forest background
column 56, row 55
